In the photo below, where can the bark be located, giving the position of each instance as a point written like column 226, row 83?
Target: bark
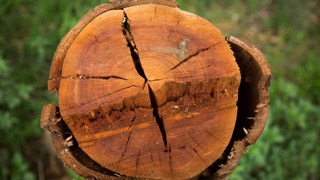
column 149, row 91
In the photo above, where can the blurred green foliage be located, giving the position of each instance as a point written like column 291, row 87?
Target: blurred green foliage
column 287, row 32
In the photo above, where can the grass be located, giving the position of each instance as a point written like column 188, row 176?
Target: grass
column 287, row 32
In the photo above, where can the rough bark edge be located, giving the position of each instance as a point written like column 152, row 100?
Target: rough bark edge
column 57, row 62
column 262, row 77
column 222, row 168
column 71, row 156
column 246, row 57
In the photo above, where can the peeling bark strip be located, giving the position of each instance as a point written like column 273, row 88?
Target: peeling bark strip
column 253, row 107
column 144, row 96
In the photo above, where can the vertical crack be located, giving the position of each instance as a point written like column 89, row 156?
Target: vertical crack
column 159, row 119
column 137, row 163
column 132, row 120
column 170, row 160
column 154, row 165
column 125, row 149
column 126, row 30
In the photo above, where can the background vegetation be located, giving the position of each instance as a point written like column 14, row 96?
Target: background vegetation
column 288, row 32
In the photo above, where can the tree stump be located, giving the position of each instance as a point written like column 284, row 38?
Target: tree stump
column 149, row 91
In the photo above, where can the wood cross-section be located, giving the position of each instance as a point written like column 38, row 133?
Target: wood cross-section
column 150, row 91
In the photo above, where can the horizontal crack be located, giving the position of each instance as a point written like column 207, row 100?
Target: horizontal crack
column 176, row 77
column 91, row 100
column 183, row 77
column 154, row 80
column 81, row 76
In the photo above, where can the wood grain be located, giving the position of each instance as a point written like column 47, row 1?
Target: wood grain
column 150, row 91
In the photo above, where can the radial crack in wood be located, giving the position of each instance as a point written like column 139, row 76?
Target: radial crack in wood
column 132, row 45
column 136, row 59
column 145, row 95
column 199, row 156
column 157, row 116
column 190, row 56
column 125, row 149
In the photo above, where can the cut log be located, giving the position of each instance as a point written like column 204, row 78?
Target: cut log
column 146, row 91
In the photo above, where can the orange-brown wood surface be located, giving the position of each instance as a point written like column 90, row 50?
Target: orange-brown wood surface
column 150, row 91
